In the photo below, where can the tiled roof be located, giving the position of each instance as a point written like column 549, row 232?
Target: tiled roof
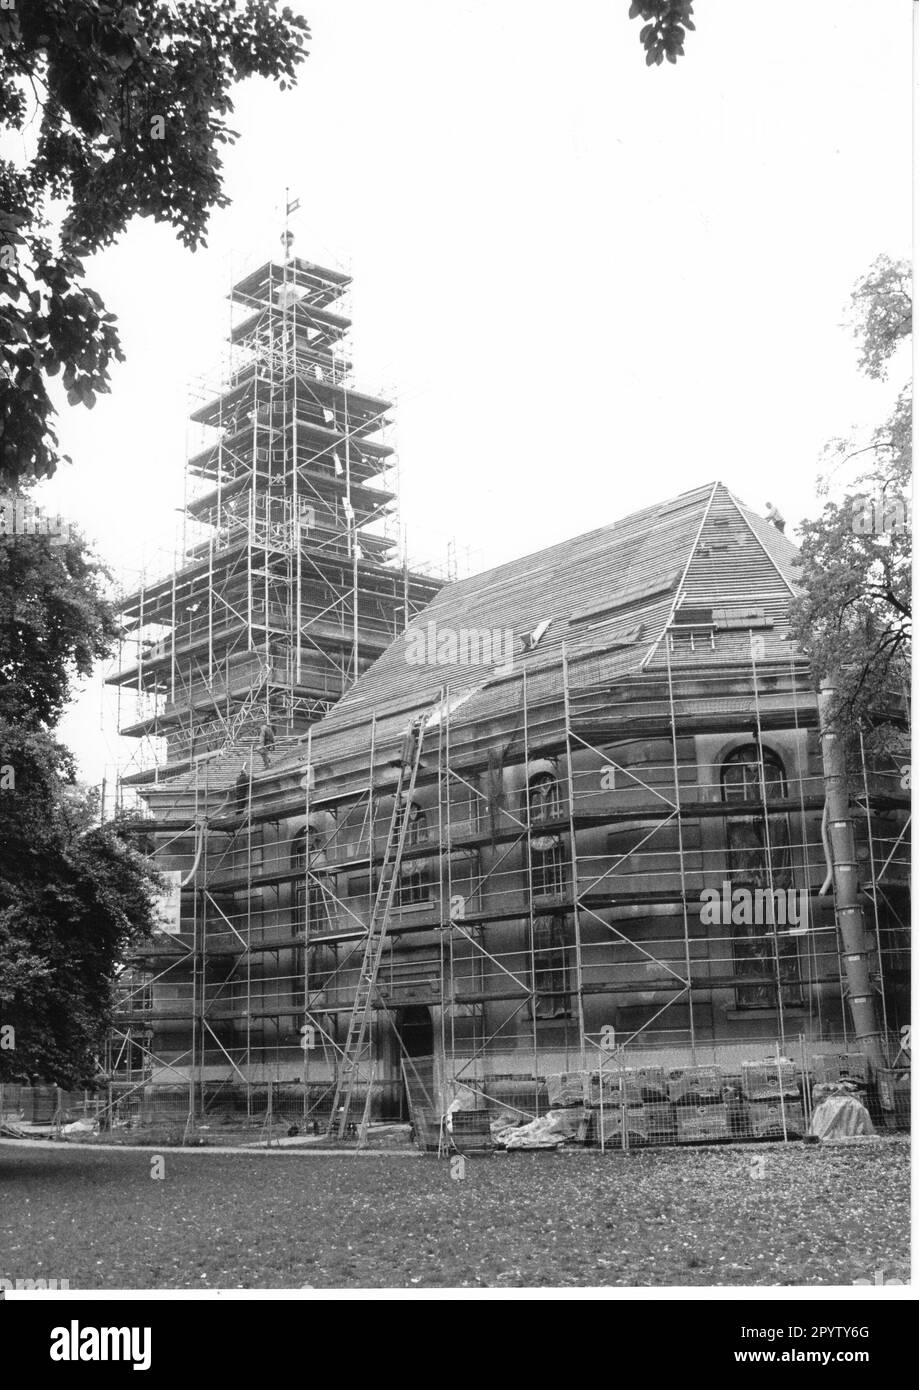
column 607, row 593
column 607, row 596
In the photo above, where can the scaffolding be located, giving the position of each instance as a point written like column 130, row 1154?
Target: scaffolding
column 546, row 915
column 561, row 887
column 287, row 591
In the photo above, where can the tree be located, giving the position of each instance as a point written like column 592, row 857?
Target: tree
column 55, row 623
column 74, row 895
column 854, row 619
column 132, row 101
column 122, row 109
column 664, row 31
column 882, row 314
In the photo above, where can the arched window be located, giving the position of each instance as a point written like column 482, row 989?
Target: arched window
column 546, row 855
column 758, row 856
column 747, row 768
column 543, row 798
column 757, row 843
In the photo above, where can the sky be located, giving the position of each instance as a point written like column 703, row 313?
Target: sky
column 587, row 285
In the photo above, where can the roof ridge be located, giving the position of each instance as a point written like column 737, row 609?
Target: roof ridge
column 682, row 581
column 742, row 510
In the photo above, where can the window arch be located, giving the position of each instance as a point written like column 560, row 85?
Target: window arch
column 758, row 852
column 746, row 769
column 543, row 800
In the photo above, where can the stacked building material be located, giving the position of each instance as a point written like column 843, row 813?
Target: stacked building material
column 773, row 1099
column 697, row 1096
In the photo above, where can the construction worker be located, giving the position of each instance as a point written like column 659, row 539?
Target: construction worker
column 265, row 742
column 410, row 742
column 774, row 516
column 242, row 790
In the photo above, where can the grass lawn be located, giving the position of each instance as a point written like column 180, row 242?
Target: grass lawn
column 815, row 1215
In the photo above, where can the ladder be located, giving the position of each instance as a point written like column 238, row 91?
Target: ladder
column 365, row 1118
column 362, row 1008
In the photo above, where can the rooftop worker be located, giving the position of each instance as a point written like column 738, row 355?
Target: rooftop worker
column 774, row 516
column 242, row 789
column 265, row 741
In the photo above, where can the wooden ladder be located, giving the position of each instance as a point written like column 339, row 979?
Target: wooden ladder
column 362, row 1008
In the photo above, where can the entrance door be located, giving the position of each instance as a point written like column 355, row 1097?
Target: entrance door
column 416, row 1029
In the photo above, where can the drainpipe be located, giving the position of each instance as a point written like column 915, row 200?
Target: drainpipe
column 852, row 928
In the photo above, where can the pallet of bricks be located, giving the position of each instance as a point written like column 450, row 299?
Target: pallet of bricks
column 699, row 1098
column 888, row 1102
column 829, row 1068
column 635, row 1109
column 471, row 1131
column 773, row 1107
column 833, row 1068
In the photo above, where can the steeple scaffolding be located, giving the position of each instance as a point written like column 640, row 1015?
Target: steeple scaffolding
column 288, row 593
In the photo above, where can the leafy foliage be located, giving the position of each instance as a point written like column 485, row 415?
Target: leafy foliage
column 55, row 622
column 133, row 101
column 665, row 28
column 882, row 304
column 854, row 619
column 73, row 897
column 122, row 110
